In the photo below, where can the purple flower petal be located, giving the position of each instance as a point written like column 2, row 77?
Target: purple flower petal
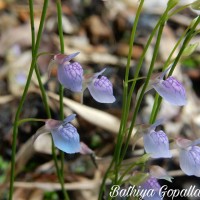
column 71, row 76
column 171, row 90
column 190, row 160
column 66, row 138
column 156, row 143
column 101, row 90
column 148, row 185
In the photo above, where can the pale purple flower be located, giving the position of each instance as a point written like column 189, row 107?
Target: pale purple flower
column 70, row 75
column 151, row 184
column 170, row 89
column 101, row 88
column 156, row 143
column 189, row 156
column 64, row 134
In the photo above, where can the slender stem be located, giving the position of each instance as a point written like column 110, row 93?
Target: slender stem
column 146, row 82
column 32, row 25
column 102, row 188
column 61, row 88
column 30, row 120
column 62, row 50
column 139, row 65
column 44, row 97
column 124, row 108
column 15, row 128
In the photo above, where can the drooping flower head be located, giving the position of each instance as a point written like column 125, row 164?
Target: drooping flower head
column 70, row 75
column 156, row 143
column 189, row 156
column 101, row 88
column 170, row 89
column 64, row 134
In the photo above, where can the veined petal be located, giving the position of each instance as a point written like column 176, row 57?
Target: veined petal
column 101, row 90
column 71, row 76
column 66, row 138
column 150, row 184
column 171, row 90
column 156, row 144
column 190, row 160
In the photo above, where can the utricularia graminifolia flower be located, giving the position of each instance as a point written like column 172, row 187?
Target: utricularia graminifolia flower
column 156, row 143
column 71, row 76
column 170, row 89
column 189, row 156
column 151, row 189
column 64, row 134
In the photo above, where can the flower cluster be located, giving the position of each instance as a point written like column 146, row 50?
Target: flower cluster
column 71, row 76
column 156, row 143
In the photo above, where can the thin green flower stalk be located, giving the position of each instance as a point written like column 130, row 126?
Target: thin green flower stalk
column 139, row 65
column 188, row 37
column 61, row 88
column 62, row 50
column 161, row 26
column 30, row 120
column 125, row 114
column 15, row 128
column 44, row 97
column 125, row 94
column 155, row 53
